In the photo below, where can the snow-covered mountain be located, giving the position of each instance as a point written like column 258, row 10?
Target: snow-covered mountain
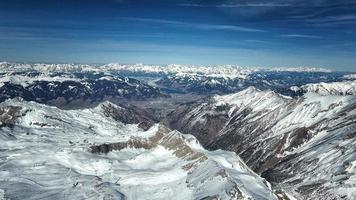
column 203, row 80
column 46, row 68
column 213, row 70
column 333, row 88
column 304, row 145
column 350, row 76
column 72, row 88
column 231, row 71
column 295, row 127
column 279, row 81
column 49, row 153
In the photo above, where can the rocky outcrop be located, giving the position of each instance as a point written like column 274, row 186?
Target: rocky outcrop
column 129, row 114
column 9, row 115
column 197, row 162
column 192, row 118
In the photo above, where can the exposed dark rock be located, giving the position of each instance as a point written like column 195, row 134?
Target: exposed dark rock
column 9, row 115
column 204, row 131
column 165, row 137
column 129, row 114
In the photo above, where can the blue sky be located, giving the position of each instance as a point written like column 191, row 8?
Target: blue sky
column 260, row 33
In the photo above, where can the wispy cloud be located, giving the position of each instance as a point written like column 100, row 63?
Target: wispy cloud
column 258, row 41
column 333, row 20
column 323, row 4
column 201, row 26
column 310, row 12
column 300, row 36
column 236, row 5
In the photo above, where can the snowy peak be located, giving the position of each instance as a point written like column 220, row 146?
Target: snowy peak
column 199, row 164
column 253, row 98
column 333, row 88
column 350, row 76
column 296, row 142
column 232, row 71
column 54, row 153
column 301, row 69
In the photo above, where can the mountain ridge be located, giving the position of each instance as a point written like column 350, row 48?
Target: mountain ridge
column 269, row 132
column 48, row 153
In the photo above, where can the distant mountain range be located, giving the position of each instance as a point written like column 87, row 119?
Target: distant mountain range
column 203, row 80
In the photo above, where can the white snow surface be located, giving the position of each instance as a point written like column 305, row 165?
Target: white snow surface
column 350, row 76
column 225, row 71
column 46, row 155
column 300, row 69
column 301, row 112
column 252, row 97
column 28, row 80
column 333, row 88
column 329, row 118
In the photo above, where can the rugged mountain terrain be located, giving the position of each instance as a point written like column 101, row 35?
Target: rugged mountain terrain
column 279, row 81
column 295, row 127
column 305, row 145
column 130, row 114
column 333, row 88
column 76, row 89
column 202, row 80
column 49, row 153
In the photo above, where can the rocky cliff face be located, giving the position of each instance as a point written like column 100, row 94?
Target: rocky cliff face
column 304, row 144
column 129, row 114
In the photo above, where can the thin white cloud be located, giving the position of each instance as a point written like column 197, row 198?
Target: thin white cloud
column 300, row 36
column 237, row 5
column 258, row 41
column 201, row 26
column 333, row 20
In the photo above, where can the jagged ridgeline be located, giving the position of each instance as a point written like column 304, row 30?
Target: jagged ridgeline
column 79, row 84
column 305, row 145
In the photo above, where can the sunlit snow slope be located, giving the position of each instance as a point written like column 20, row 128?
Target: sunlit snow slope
column 333, row 88
column 305, row 144
column 49, row 153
